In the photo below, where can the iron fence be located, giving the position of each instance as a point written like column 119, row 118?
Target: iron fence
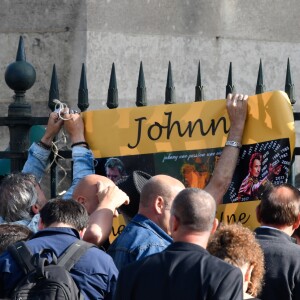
column 20, row 76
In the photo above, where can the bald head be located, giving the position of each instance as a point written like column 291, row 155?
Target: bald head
column 156, row 199
column 86, row 190
column 160, row 185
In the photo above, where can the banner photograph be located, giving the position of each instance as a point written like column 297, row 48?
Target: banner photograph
column 186, row 140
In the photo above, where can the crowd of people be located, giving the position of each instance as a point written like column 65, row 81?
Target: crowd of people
column 172, row 247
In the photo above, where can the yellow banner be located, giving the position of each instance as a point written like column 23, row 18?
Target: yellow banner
column 186, row 126
column 185, row 141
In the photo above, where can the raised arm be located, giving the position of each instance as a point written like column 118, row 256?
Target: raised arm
column 100, row 221
column 38, row 154
column 83, row 159
column 237, row 110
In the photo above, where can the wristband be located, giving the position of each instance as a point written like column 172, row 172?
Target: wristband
column 234, row 144
column 44, row 146
column 81, row 143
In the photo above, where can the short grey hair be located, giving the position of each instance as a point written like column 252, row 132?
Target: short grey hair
column 17, row 195
column 195, row 209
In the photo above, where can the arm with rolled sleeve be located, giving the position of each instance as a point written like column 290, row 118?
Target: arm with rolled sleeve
column 38, row 158
column 37, row 161
column 83, row 165
column 83, row 159
column 38, row 155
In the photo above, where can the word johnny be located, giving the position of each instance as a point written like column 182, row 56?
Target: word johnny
column 153, row 129
column 176, row 129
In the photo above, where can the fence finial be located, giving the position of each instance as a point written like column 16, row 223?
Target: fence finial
column 53, row 91
column 289, row 85
column 112, row 95
column 20, row 76
column 199, row 90
column 260, row 87
column 83, row 92
column 170, row 88
column 141, row 91
column 230, row 89
column 21, row 56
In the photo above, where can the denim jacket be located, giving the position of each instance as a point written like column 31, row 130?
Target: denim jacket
column 38, row 158
column 140, row 238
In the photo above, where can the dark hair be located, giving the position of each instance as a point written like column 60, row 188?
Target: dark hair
column 68, row 212
column 195, row 209
column 12, row 233
column 254, row 156
column 114, row 162
column 17, row 195
column 280, row 205
column 237, row 245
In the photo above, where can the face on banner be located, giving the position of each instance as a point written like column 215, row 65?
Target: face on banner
column 186, row 140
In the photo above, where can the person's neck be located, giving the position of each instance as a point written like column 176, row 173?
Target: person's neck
column 148, row 214
column 200, row 239
column 59, row 224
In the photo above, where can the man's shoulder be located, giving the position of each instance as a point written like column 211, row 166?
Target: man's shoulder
column 100, row 261
column 181, row 252
column 221, row 265
column 141, row 231
column 137, row 237
column 276, row 241
column 272, row 234
column 200, row 263
column 60, row 239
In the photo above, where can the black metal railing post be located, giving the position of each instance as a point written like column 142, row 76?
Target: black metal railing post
column 20, row 77
column 289, row 89
column 260, row 87
column 170, row 88
column 230, row 89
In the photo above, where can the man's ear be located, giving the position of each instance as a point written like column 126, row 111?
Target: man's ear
column 215, row 226
column 174, row 223
column 81, row 200
column 159, row 205
column 82, row 232
column 297, row 223
column 41, row 225
column 35, row 208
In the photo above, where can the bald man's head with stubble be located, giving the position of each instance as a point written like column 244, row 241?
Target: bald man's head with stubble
column 157, row 197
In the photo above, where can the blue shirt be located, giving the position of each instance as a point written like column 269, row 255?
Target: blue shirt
column 140, row 238
column 95, row 273
column 38, row 158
